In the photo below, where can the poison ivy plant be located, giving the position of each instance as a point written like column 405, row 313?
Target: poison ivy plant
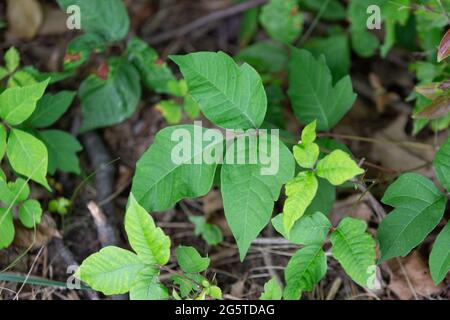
column 272, row 291
column 113, row 270
column 209, row 232
column 312, row 93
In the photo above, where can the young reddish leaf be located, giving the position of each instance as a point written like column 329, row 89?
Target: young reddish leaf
column 439, row 108
column 71, row 57
column 103, row 70
column 430, row 91
column 444, row 47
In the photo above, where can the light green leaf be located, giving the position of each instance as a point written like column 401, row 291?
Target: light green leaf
column 14, row 192
column 442, row 164
column 338, row 167
column 3, row 73
column 212, row 234
column 106, row 18
column 170, row 110
column 28, row 156
column 6, row 228
column 282, row 20
column 309, row 133
column 308, row 230
column 300, row 191
column 3, row 136
column 312, row 94
column 112, row 270
column 146, row 286
column 305, row 269
column 249, row 192
column 229, row 95
column 160, row 181
column 419, row 206
column 30, row 213
column 107, row 102
column 214, row 292
column 354, row 249
column 12, row 59
column 18, row 103
column 147, row 240
column 306, row 154
column 440, row 255
column 155, row 73
column 62, row 150
column 272, row 290
column 50, row 108
column 190, row 260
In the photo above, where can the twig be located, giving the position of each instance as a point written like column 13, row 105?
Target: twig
column 16, row 297
column 334, row 289
column 214, row 16
column 106, row 233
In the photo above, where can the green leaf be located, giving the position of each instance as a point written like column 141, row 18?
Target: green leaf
column 300, row 191
column 212, row 234
column 170, row 110
column 354, row 249
column 324, row 199
column 305, row 269
column 442, row 164
column 282, row 20
column 249, row 193
column 146, row 286
column 308, row 230
column 80, row 48
column 393, row 13
column 312, row 94
column 3, row 73
column 306, row 154
column 50, row 108
column 334, row 10
column 440, row 255
column 28, row 156
column 214, row 292
column 17, row 104
column 30, row 213
column 272, row 290
column 309, row 133
column 3, row 136
column 107, row 102
column 229, row 95
column 155, row 73
column 14, row 192
column 419, row 206
column 265, row 56
column 112, row 270
column 159, row 181
column 336, row 50
column 107, row 18
column 62, row 150
column 190, row 260
column 6, row 228
column 147, row 240
column 338, row 167
column 12, row 59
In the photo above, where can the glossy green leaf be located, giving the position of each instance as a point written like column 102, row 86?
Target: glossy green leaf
column 300, row 191
column 190, row 260
column 6, row 228
column 354, row 248
column 229, row 95
column 282, row 20
column 308, row 230
column 440, row 255
column 62, row 150
column 249, row 192
column 106, row 18
column 30, row 213
column 419, row 206
column 305, row 269
column 17, row 104
column 312, row 94
column 146, row 286
column 50, row 108
column 28, row 156
column 147, row 240
column 108, row 102
column 272, row 290
column 338, row 167
column 442, row 164
column 160, row 181
column 112, row 270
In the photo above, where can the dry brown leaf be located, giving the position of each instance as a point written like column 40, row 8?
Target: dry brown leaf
column 45, row 231
column 437, row 109
column 24, row 18
column 421, row 284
